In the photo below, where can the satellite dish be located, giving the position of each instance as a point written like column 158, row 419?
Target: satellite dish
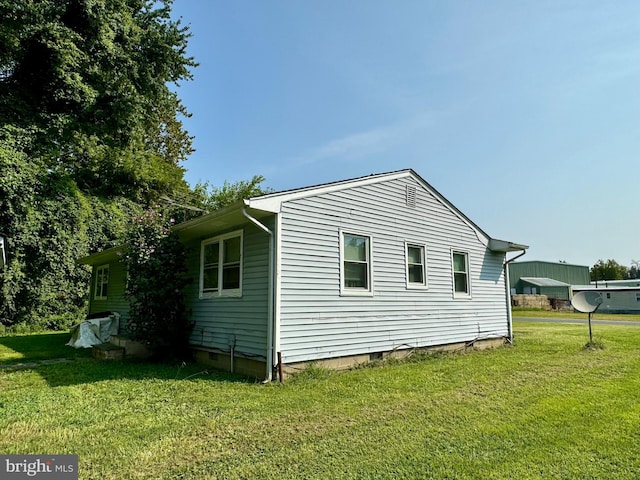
column 586, row 302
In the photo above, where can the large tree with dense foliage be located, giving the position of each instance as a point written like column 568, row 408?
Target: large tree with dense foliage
column 90, row 80
column 90, row 133
column 50, row 223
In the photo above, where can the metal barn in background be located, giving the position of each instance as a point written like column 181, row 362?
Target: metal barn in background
column 553, row 279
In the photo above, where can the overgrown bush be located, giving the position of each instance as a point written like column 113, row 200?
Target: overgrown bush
column 157, row 276
column 49, row 223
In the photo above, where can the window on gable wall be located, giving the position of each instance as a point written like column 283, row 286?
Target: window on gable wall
column 221, row 266
column 460, row 261
column 416, row 265
column 102, row 282
column 356, row 263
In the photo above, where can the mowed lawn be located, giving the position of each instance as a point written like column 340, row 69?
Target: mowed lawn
column 598, row 315
column 542, row 408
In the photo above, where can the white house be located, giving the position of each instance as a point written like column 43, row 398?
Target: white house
column 338, row 273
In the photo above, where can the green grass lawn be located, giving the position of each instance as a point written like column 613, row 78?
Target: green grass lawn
column 537, row 313
column 28, row 348
column 542, row 408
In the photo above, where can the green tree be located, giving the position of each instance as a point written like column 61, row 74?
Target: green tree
column 50, row 223
column 634, row 269
column 205, row 198
column 90, row 79
column 609, row 270
column 213, row 198
column 90, row 133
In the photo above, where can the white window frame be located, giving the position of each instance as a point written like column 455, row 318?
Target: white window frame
column 419, row 285
column 221, row 292
column 356, row 291
column 102, row 283
column 457, row 294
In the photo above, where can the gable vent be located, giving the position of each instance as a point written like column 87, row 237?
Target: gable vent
column 411, row 196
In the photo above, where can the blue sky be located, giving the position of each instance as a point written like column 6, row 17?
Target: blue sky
column 524, row 114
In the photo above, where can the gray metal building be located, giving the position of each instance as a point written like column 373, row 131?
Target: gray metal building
column 553, row 279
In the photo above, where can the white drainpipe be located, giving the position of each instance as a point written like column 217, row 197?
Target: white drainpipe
column 269, row 375
column 508, row 291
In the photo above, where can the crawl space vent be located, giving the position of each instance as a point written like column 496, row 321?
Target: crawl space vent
column 411, row 196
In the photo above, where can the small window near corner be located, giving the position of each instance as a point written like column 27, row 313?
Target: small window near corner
column 221, row 266
column 102, row 282
column 460, row 262
column 637, row 297
column 608, row 295
column 416, row 265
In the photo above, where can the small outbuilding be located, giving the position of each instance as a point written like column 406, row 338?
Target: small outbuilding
column 338, row 274
column 553, row 279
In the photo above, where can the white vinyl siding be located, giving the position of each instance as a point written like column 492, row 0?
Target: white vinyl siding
column 221, row 266
column 318, row 320
column 223, row 321
column 416, row 265
column 356, row 264
column 101, row 290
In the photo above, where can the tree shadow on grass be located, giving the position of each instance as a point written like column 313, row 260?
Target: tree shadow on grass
column 31, row 348
column 81, row 367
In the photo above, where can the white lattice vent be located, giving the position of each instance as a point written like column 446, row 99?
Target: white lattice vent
column 411, row 196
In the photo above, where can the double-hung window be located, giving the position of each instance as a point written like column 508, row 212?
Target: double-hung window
column 416, row 268
column 460, row 262
column 102, row 282
column 221, row 266
column 356, row 264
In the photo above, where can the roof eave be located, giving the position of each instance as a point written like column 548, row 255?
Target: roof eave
column 208, row 224
column 505, row 246
column 101, row 258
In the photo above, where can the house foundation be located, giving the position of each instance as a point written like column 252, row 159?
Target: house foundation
column 256, row 368
column 352, row 361
column 223, row 361
column 130, row 347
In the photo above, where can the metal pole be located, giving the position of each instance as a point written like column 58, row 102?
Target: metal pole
column 590, row 336
column 280, row 372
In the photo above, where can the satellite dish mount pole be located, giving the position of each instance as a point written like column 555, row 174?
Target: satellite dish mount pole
column 587, row 302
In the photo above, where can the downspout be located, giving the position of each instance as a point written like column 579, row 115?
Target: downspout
column 508, row 296
column 270, row 316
